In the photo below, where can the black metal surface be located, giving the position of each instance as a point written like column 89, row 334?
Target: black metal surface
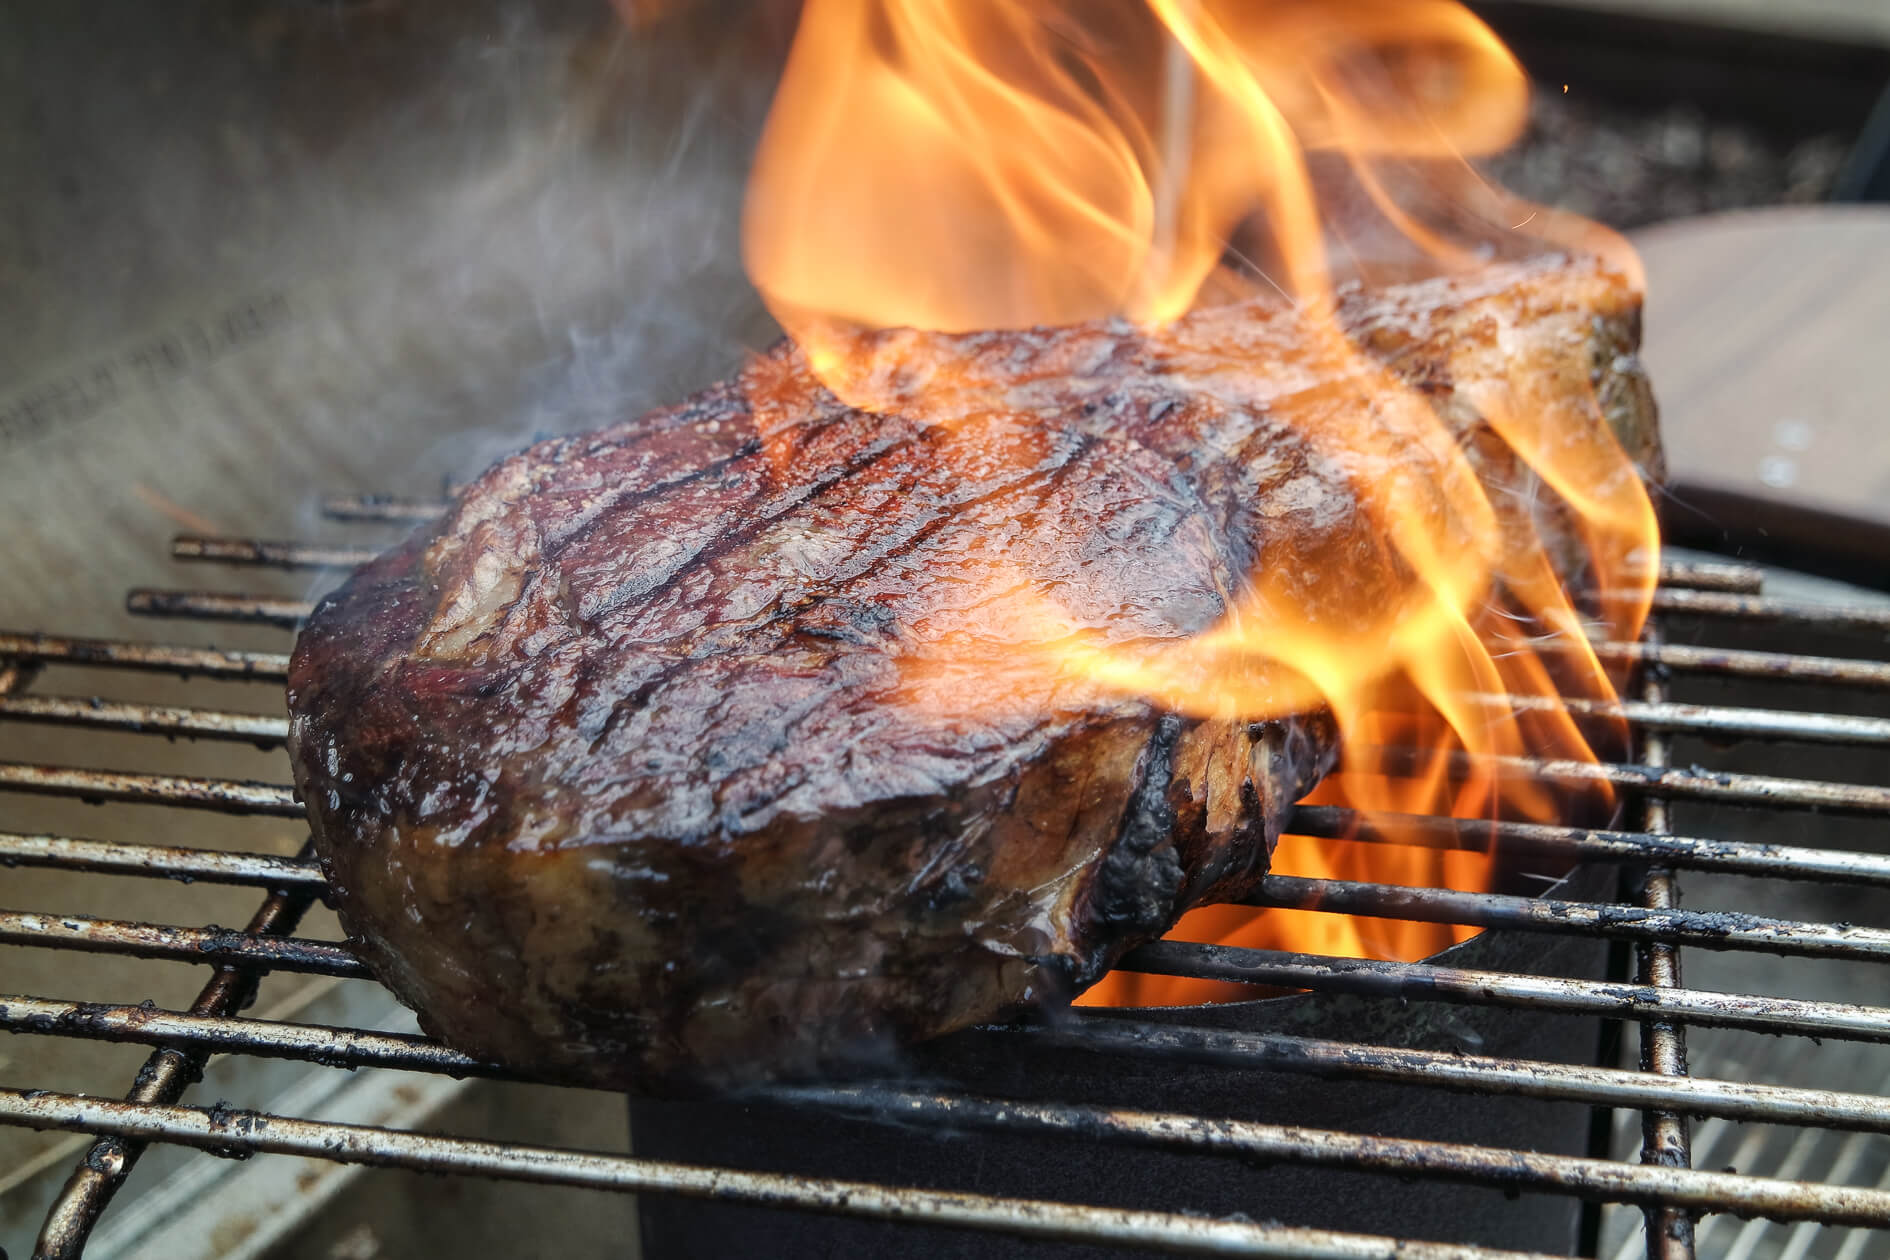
column 1779, row 84
column 818, row 1142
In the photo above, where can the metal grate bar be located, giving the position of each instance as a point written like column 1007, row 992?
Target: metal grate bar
column 236, row 1034
column 229, row 796
column 165, row 658
column 1095, row 1032
column 1665, row 1137
column 1429, row 982
column 225, row 1129
column 16, row 675
column 1716, row 930
column 1403, row 981
column 1712, row 575
column 380, row 507
column 1759, row 608
column 274, row 555
column 1730, row 857
column 166, row 943
column 1743, row 663
column 1430, row 905
column 166, row 1074
column 265, row 610
column 1657, row 782
column 146, row 719
column 210, row 866
column 1709, row 719
column 1511, row 1170
column 1612, row 1087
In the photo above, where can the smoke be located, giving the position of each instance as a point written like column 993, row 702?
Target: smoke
column 266, row 251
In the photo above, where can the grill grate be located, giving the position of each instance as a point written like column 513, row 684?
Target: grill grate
column 1672, row 1194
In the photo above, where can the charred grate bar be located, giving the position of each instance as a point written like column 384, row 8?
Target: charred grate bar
column 1673, row 1194
column 1666, row 1141
column 226, row 1129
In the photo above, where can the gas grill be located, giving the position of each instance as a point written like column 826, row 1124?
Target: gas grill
column 1713, row 1124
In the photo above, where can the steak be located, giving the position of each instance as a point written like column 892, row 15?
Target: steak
column 701, row 749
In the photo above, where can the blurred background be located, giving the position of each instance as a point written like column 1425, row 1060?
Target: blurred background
column 255, row 251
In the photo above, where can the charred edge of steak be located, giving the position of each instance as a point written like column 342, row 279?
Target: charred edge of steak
column 1139, row 882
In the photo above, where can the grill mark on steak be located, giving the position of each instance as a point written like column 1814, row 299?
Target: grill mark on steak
column 716, row 544
column 792, row 606
column 645, row 766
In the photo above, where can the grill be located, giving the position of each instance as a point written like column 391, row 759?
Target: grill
column 1676, row 1139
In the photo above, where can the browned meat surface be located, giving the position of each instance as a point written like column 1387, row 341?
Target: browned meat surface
column 698, row 750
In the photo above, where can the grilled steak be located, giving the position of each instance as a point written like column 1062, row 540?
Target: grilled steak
column 699, row 750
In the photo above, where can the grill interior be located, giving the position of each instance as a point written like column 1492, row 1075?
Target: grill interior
column 1739, row 1112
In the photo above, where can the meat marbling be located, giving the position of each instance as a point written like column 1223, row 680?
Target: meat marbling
column 692, row 751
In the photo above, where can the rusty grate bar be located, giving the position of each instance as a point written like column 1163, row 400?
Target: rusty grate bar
column 1744, row 663
column 1474, row 1074
column 265, row 610
column 225, row 1128
column 236, row 1034
column 1090, row 1031
column 1363, row 977
column 165, row 658
column 229, row 796
column 1429, row 982
column 1712, row 575
column 166, row 1074
column 1665, row 1137
column 1510, row 1170
column 1730, row 857
column 146, row 719
column 380, row 507
column 1709, row 930
column 269, row 554
column 1709, row 719
column 208, row 866
column 270, row 951
column 1760, row 608
column 1659, row 782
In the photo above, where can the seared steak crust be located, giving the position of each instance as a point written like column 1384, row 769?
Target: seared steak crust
column 698, row 750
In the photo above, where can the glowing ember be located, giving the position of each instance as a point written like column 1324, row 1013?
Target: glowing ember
column 956, row 165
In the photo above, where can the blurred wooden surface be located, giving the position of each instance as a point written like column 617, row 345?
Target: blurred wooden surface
column 1768, row 340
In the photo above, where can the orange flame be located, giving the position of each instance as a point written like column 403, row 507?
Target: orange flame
column 956, row 165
